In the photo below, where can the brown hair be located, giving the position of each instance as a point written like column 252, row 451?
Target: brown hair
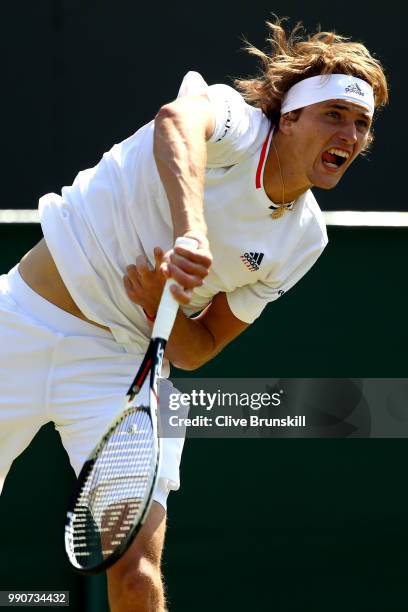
column 294, row 58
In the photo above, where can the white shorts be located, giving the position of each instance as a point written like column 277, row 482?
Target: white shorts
column 57, row 367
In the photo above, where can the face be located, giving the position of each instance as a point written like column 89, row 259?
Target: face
column 324, row 139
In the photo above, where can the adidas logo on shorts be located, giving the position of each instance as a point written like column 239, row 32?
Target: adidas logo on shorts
column 252, row 260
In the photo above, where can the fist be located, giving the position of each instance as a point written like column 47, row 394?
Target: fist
column 188, row 266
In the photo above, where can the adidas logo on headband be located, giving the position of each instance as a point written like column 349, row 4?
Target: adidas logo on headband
column 329, row 87
column 354, row 89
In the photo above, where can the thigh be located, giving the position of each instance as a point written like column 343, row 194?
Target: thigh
column 25, row 357
column 26, row 351
column 88, row 394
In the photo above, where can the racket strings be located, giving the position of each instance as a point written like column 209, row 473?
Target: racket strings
column 112, row 495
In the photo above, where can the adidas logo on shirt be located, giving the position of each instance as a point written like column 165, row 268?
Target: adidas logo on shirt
column 354, row 89
column 252, row 260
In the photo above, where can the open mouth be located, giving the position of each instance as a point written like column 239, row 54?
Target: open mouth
column 334, row 158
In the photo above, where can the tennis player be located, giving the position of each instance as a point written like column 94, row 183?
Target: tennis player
column 232, row 170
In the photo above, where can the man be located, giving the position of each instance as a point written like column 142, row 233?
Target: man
column 236, row 178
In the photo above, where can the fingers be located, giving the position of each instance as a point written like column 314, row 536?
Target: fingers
column 144, row 283
column 182, row 296
column 143, row 265
column 133, row 277
column 188, row 265
column 186, row 280
column 138, row 271
column 132, row 273
column 158, row 256
column 132, row 286
column 201, row 256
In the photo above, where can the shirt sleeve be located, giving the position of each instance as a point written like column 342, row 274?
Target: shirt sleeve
column 248, row 302
column 239, row 127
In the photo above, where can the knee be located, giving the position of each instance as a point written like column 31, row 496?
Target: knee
column 138, row 589
column 134, row 582
column 144, row 584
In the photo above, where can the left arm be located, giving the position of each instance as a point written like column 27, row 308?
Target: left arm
column 194, row 341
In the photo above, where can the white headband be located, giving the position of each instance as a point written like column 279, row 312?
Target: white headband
column 329, row 87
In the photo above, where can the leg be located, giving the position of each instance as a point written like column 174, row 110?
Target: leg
column 134, row 582
column 26, row 350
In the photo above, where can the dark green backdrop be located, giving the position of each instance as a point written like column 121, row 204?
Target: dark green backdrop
column 286, row 525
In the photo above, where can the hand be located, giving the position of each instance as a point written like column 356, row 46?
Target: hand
column 188, row 266
column 144, row 284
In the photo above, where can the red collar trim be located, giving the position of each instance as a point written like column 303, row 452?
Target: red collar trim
column 261, row 161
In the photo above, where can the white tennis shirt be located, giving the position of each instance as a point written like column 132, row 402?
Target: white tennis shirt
column 119, row 209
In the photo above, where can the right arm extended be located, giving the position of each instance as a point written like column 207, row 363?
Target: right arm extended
column 181, row 130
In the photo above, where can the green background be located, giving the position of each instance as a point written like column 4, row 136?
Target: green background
column 283, row 524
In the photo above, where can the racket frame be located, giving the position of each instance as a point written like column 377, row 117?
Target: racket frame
column 154, row 355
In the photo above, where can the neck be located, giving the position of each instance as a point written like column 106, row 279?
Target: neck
column 293, row 184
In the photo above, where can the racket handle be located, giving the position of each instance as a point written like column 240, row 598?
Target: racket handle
column 168, row 306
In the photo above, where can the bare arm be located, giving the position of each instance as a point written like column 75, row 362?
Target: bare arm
column 195, row 341
column 181, row 130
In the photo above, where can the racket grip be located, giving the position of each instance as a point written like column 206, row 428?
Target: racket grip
column 168, row 307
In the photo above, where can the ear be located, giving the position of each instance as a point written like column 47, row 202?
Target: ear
column 287, row 120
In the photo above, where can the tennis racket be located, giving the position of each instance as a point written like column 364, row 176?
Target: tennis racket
column 114, row 488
